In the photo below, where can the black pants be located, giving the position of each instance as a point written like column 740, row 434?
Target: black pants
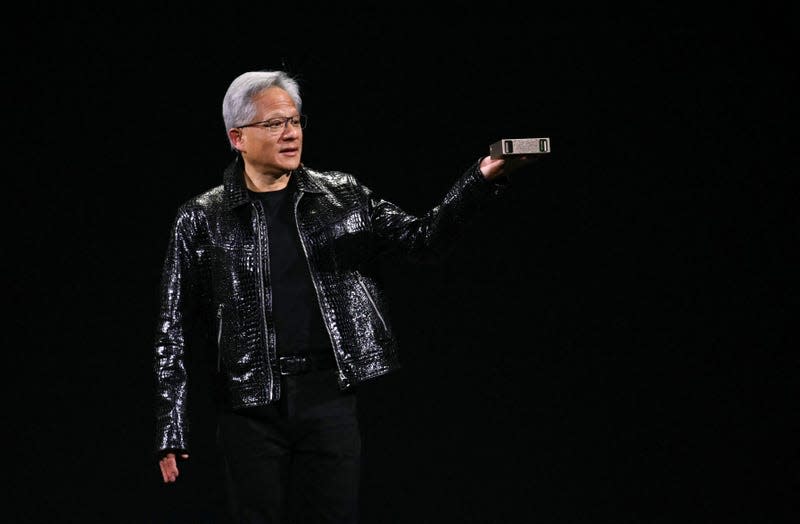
column 295, row 462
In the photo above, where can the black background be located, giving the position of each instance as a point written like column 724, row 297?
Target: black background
column 612, row 344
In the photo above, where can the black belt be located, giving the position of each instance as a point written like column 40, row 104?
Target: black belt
column 300, row 364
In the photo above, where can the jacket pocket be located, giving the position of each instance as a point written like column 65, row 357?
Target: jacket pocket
column 373, row 304
column 220, row 309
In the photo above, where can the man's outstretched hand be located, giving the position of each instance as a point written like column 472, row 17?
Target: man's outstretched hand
column 492, row 168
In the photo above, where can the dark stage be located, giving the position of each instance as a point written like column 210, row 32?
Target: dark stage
column 611, row 345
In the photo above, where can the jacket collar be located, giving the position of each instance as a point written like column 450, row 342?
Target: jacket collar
column 236, row 191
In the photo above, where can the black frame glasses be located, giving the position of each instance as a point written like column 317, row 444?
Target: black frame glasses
column 279, row 124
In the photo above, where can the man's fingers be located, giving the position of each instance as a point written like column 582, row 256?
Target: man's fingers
column 169, row 467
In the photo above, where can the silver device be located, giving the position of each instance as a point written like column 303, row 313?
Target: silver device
column 511, row 147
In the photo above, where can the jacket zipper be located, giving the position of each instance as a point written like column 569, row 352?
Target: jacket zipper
column 260, row 242
column 314, row 282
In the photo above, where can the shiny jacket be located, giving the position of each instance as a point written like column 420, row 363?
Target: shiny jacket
column 217, row 260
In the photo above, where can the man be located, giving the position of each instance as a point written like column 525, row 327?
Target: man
column 277, row 263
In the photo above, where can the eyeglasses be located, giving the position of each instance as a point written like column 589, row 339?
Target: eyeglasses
column 277, row 125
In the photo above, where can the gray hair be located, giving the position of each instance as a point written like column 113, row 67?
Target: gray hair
column 238, row 107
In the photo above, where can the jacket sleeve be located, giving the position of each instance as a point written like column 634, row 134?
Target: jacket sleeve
column 429, row 237
column 170, row 341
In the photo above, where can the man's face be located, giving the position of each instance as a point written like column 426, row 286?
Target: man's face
column 274, row 145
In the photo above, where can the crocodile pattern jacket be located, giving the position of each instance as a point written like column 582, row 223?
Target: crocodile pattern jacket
column 217, row 263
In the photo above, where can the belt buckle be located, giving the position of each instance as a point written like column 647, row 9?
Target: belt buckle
column 294, row 365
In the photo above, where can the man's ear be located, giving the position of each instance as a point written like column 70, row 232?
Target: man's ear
column 235, row 136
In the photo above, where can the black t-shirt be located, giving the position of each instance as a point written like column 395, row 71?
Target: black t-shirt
column 298, row 322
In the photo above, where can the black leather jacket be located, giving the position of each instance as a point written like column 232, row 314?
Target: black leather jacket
column 217, row 261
